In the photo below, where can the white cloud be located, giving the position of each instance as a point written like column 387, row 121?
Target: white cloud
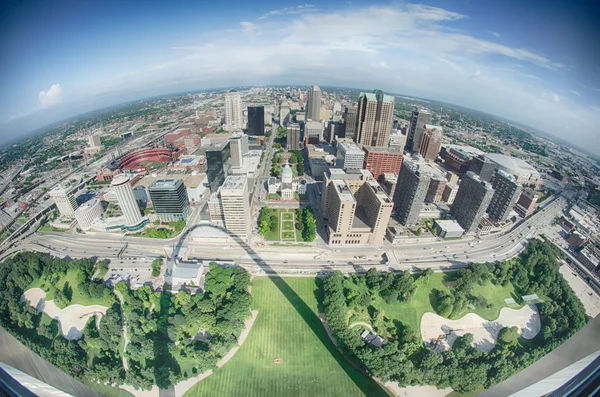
column 50, row 98
column 549, row 96
column 475, row 74
column 574, row 92
column 380, row 65
column 248, row 27
column 301, row 9
column 495, row 34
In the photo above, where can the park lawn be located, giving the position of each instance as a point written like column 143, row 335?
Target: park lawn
column 48, row 228
column 287, row 236
column 287, row 328
column 286, row 216
column 288, row 225
column 410, row 312
column 71, row 278
column 274, row 196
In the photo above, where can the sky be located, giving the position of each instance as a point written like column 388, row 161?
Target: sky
column 534, row 62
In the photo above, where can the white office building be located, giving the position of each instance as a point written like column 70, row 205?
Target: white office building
column 65, row 201
column 234, row 118
column 88, row 212
column 235, row 205
column 121, row 186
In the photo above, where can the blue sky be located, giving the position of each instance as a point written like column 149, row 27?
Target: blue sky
column 536, row 62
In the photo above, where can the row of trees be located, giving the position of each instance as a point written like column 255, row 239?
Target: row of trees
column 305, row 223
column 405, row 358
column 160, row 326
column 267, row 221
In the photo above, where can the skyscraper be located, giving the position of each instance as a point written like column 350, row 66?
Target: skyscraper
column 313, row 103
column 169, row 198
column 122, row 187
column 431, row 142
column 293, row 136
column 238, row 146
column 380, row 160
column 235, row 205
column 483, row 167
column 411, row 189
column 218, row 160
column 472, row 200
column 357, row 208
column 65, row 201
column 418, row 119
column 234, row 118
column 350, row 121
column 313, row 130
column 375, row 113
column 506, row 193
column 349, row 155
column 284, row 113
column 256, row 120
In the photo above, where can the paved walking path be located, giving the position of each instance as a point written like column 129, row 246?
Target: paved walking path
column 120, row 296
column 367, row 325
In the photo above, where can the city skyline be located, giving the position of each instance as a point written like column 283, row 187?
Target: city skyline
column 454, row 54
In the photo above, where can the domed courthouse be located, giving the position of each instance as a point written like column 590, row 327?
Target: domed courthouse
column 287, row 185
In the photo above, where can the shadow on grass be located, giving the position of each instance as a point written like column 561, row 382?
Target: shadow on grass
column 369, row 387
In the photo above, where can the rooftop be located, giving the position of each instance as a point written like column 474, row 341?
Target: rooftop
column 513, row 164
column 189, row 180
column 380, row 149
column 120, row 179
column 166, row 183
column 449, row 226
column 343, row 190
column 350, row 147
column 234, row 182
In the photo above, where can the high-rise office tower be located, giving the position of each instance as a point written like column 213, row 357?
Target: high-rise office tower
column 65, row 201
column 397, row 140
column 350, row 121
column 380, row 160
column 284, row 113
column 418, row 119
column 506, row 193
column 335, row 130
column 218, row 160
column 121, row 185
column 238, row 147
column 436, row 188
column 375, row 113
column 293, row 136
column 357, row 208
column 236, row 206
column 449, row 194
column 256, row 120
column 234, row 118
column 169, row 198
column 430, row 142
column 471, row 202
column 411, row 189
column 313, row 103
column 313, row 131
column 349, row 155
column 483, row 167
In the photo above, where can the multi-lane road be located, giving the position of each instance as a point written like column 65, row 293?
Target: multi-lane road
column 131, row 252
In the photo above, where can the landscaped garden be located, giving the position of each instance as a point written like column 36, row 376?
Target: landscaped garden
column 161, row 348
column 393, row 304
column 281, row 224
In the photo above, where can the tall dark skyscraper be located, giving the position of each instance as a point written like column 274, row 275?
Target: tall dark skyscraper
column 472, row 200
column 418, row 119
column 218, row 160
column 506, row 193
column 350, row 121
column 483, row 167
column 169, row 198
column 256, row 120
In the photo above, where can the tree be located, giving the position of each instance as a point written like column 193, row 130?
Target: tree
column 156, row 264
column 508, row 335
column 309, row 231
column 372, row 278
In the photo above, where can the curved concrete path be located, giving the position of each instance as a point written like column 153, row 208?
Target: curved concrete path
column 485, row 332
column 72, row 318
column 366, row 325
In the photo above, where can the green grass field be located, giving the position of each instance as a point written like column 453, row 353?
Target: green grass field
column 287, row 328
column 287, row 216
column 288, row 225
column 411, row 312
column 71, row 278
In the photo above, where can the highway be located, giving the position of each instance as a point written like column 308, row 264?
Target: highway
column 441, row 255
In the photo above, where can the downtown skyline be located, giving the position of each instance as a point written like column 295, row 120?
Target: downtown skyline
column 528, row 63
